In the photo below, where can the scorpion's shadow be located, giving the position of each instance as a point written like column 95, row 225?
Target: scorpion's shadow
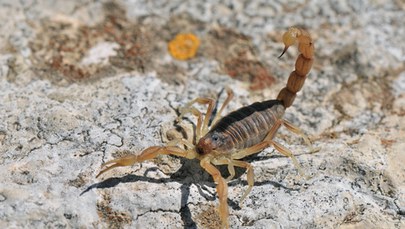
column 189, row 173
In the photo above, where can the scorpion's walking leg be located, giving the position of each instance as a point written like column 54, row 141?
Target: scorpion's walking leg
column 280, row 148
column 188, row 108
column 226, row 102
column 291, row 128
column 286, row 152
column 298, row 131
column 231, row 168
column 250, row 177
column 199, row 116
column 264, row 144
column 147, row 154
column 229, row 163
column 222, row 190
column 180, row 141
column 251, row 150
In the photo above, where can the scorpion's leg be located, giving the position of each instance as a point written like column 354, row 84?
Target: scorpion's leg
column 286, row 152
column 228, row 162
column 222, row 190
column 251, row 150
column 197, row 113
column 203, row 101
column 264, row 144
column 180, row 141
column 147, row 154
column 231, row 168
column 250, row 177
column 281, row 148
column 298, row 131
column 261, row 145
column 274, row 129
column 226, row 102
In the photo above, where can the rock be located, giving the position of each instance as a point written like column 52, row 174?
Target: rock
column 83, row 83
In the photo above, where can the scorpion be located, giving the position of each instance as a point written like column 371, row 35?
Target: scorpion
column 239, row 134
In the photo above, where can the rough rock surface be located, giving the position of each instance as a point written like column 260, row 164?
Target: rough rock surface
column 82, row 82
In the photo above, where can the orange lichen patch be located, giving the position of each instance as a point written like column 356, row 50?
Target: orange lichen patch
column 184, row 46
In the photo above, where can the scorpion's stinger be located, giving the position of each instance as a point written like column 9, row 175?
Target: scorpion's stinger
column 289, row 38
column 285, row 50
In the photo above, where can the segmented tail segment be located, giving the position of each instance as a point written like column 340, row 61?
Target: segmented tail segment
column 302, row 65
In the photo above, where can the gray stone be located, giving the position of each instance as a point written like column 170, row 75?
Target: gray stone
column 75, row 92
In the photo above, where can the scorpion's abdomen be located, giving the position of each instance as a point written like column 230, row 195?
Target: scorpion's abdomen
column 249, row 125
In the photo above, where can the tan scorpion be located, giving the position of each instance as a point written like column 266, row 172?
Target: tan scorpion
column 239, row 134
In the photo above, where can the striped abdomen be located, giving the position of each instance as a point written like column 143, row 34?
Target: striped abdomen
column 249, row 125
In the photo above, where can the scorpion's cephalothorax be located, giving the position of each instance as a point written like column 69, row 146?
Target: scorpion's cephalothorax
column 214, row 141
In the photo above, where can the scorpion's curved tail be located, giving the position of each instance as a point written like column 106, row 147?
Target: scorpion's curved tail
column 302, row 65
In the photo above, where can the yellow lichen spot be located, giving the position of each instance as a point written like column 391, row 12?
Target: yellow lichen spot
column 184, row 46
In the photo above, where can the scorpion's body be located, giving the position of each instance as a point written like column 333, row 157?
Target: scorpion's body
column 244, row 127
column 241, row 133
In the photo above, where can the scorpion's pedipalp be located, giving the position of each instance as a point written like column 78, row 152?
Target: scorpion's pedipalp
column 119, row 162
column 109, row 167
column 147, row 154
